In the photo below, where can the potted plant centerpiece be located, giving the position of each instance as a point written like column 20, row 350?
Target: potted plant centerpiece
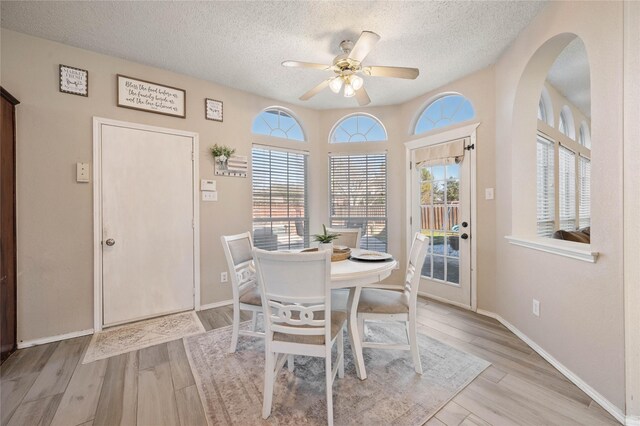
column 325, row 239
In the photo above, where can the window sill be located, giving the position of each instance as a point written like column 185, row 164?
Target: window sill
column 570, row 249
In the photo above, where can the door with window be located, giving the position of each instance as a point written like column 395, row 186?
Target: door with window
column 440, row 209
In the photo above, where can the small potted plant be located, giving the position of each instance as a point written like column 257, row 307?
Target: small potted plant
column 325, row 239
column 221, row 153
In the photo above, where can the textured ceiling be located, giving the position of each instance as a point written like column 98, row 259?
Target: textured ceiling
column 571, row 76
column 241, row 44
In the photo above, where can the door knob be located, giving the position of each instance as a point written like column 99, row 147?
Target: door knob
column 464, row 236
column 110, row 242
column 465, row 224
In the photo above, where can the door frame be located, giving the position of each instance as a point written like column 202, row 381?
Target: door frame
column 433, row 138
column 98, row 122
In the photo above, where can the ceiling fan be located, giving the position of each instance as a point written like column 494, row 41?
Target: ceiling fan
column 348, row 65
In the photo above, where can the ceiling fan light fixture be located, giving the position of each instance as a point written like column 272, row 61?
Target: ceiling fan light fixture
column 336, row 84
column 356, row 82
column 349, row 91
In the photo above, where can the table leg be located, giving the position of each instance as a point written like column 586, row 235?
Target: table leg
column 354, row 334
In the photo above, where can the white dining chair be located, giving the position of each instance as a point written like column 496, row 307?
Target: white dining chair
column 349, row 237
column 296, row 298
column 246, row 293
column 397, row 304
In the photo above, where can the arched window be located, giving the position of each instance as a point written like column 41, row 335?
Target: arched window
column 565, row 124
column 358, row 127
column 444, row 111
column 278, row 122
column 584, row 137
column 545, row 108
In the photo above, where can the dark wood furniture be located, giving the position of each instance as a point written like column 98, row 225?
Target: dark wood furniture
column 8, row 283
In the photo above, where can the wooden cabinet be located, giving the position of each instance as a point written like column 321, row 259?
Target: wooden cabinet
column 8, row 283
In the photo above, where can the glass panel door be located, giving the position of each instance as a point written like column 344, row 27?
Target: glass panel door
column 440, row 210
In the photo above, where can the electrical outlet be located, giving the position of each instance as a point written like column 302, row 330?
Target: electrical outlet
column 224, row 277
column 536, row 307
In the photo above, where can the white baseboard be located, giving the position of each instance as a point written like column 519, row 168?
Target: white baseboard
column 41, row 341
column 443, row 300
column 586, row 388
column 216, row 304
column 633, row 421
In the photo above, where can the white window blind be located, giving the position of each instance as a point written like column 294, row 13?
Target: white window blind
column 279, row 186
column 567, row 188
column 584, row 211
column 358, row 196
column 545, row 188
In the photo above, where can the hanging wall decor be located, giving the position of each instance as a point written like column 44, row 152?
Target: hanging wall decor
column 74, row 81
column 144, row 95
column 225, row 163
column 213, row 109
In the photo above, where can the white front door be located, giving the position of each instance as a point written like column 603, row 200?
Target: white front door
column 147, row 223
column 441, row 198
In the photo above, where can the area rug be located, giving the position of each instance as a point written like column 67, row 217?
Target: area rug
column 142, row 334
column 231, row 385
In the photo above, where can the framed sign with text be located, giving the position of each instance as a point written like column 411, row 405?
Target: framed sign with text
column 144, row 95
column 74, row 80
column 212, row 109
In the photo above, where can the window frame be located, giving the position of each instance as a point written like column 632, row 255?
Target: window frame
column 290, row 219
column 430, row 103
column 338, row 123
column 363, row 242
column 280, row 110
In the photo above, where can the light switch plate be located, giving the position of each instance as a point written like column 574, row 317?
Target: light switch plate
column 209, row 196
column 82, row 172
column 207, row 185
column 488, row 193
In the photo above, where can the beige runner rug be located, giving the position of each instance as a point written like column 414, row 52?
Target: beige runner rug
column 230, row 385
column 142, row 334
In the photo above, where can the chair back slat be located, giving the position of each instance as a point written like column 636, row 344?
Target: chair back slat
column 349, row 237
column 238, row 252
column 296, row 291
column 417, row 256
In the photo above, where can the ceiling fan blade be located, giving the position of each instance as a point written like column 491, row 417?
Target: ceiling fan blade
column 397, row 72
column 311, row 93
column 362, row 97
column 298, row 64
column 363, row 46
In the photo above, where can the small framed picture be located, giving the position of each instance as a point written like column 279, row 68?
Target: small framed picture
column 74, row 80
column 212, row 109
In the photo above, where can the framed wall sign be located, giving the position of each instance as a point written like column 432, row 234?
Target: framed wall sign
column 74, row 80
column 144, row 95
column 212, row 109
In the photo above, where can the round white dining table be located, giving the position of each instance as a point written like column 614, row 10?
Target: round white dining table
column 355, row 275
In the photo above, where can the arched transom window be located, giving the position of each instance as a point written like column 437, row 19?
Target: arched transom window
column 279, row 123
column 444, row 111
column 358, row 128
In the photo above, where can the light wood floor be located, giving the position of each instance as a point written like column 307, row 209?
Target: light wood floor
column 48, row 384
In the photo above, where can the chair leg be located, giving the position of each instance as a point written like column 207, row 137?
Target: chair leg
column 236, row 329
column 341, row 353
column 361, row 327
column 329, row 380
column 254, row 321
column 269, row 378
column 413, row 342
column 290, row 363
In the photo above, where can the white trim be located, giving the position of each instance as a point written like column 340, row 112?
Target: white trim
column 43, row 340
column 569, row 249
column 586, row 388
column 98, row 122
column 445, row 301
column 462, row 132
column 633, row 421
column 279, row 148
column 216, row 305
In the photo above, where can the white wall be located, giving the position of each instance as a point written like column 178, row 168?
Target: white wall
column 581, row 321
